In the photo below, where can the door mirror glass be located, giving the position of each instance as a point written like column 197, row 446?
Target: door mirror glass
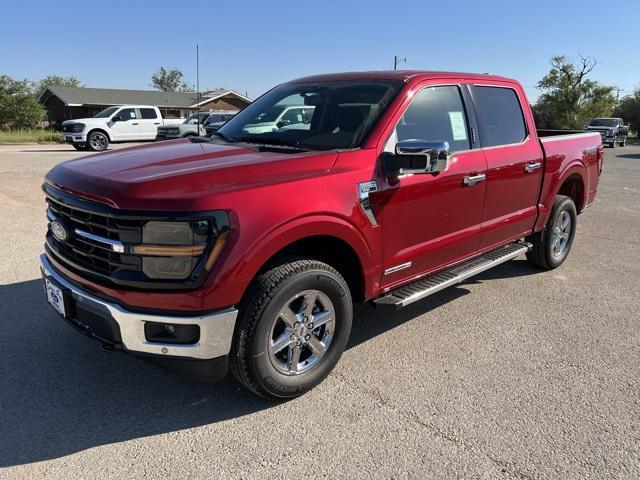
column 416, row 157
column 116, row 118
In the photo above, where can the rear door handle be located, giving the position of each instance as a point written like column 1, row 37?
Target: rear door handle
column 531, row 166
column 471, row 180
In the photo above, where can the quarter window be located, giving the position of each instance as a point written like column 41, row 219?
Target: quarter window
column 435, row 114
column 148, row 113
column 499, row 116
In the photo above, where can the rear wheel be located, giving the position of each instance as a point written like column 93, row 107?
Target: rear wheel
column 293, row 328
column 97, row 141
column 551, row 246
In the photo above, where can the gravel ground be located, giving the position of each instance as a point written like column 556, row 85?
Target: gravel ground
column 515, row 374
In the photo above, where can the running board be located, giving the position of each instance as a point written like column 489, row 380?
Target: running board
column 403, row 296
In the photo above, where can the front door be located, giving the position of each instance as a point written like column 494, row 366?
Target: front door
column 432, row 220
column 128, row 128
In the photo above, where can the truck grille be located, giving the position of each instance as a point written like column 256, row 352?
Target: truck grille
column 84, row 252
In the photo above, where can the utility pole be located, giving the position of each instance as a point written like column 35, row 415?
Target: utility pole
column 397, row 60
column 198, row 88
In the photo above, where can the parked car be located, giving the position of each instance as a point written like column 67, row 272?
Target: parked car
column 126, row 123
column 216, row 121
column 612, row 130
column 248, row 251
column 193, row 126
column 281, row 117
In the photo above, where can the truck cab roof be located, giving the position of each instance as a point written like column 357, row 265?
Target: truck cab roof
column 402, row 75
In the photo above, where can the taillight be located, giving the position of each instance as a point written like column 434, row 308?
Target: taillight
column 600, row 157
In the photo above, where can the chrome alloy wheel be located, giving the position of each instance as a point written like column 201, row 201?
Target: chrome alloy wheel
column 561, row 234
column 98, row 141
column 302, row 332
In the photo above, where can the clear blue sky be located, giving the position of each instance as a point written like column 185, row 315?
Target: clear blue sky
column 250, row 46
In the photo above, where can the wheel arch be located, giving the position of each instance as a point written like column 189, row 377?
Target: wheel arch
column 101, row 130
column 333, row 241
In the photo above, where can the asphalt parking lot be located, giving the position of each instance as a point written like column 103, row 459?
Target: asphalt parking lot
column 516, row 374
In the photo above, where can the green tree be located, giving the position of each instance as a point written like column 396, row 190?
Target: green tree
column 19, row 107
column 629, row 109
column 56, row 81
column 569, row 99
column 168, row 80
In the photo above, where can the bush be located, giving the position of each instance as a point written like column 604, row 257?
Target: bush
column 9, row 137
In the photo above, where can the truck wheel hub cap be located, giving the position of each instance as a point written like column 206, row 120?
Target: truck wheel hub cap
column 302, row 332
column 561, row 234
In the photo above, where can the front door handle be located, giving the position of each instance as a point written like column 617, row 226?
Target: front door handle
column 471, row 180
column 531, row 166
column 134, row 123
column 156, row 123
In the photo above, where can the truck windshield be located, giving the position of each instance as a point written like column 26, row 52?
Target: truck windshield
column 107, row 112
column 330, row 115
column 603, row 122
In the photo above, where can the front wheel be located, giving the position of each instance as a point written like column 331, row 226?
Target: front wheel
column 97, row 141
column 551, row 246
column 293, row 327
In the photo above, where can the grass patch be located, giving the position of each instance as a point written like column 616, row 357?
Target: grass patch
column 11, row 137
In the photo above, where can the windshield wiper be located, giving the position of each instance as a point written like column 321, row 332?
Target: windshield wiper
column 279, row 142
column 224, row 137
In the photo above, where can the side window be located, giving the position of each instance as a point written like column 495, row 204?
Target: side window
column 148, row 113
column 127, row 114
column 435, row 114
column 500, row 117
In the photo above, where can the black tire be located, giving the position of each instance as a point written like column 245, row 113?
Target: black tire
column 623, row 142
column 251, row 361
column 80, row 146
column 542, row 254
column 97, row 141
column 612, row 144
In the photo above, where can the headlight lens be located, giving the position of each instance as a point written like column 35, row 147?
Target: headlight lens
column 172, row 250
column 77, row 127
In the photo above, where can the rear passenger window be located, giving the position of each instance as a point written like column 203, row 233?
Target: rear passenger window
column 500, row 118
column 435, row 114
column 148, row 113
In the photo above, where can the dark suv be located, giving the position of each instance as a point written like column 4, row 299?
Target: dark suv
column 612, row 130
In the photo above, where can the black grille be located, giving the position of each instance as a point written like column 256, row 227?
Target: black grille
column 88, row 254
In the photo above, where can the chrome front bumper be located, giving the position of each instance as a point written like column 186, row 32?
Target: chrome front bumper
column 216, row 329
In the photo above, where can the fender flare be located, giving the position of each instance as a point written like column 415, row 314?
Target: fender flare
column 575, row 167
column 268, row 245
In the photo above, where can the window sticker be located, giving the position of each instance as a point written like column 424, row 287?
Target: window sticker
column 458, row 127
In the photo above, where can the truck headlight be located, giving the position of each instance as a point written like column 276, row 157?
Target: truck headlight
column 172, row 250
column 77, row 127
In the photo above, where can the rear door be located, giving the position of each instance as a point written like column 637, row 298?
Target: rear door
column 514, row 163
column 129, row 127
column 432, row 220
column 149, row 123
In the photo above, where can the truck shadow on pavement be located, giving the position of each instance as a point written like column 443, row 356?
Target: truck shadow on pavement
column 60, row 394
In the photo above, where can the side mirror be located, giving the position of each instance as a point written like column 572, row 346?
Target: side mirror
column 416, row 157
column 627, row 124
column 283, row 123
column 117, row 118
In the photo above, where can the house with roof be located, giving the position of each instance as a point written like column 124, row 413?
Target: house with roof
column 66, row 103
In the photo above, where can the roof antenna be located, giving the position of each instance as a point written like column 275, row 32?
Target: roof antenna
column 397, row 60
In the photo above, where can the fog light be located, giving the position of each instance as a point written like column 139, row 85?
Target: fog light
column 171, row 333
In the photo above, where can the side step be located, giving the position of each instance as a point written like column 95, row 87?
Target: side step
column 403, row 296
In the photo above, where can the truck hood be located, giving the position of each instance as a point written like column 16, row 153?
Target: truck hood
column 171, row 175
column 85, row 120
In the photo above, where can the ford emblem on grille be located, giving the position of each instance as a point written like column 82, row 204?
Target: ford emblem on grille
column 59, row 231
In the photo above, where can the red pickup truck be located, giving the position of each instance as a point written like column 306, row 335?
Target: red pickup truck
column 246, row 252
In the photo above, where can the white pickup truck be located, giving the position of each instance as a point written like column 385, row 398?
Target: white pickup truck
column 125, row 123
